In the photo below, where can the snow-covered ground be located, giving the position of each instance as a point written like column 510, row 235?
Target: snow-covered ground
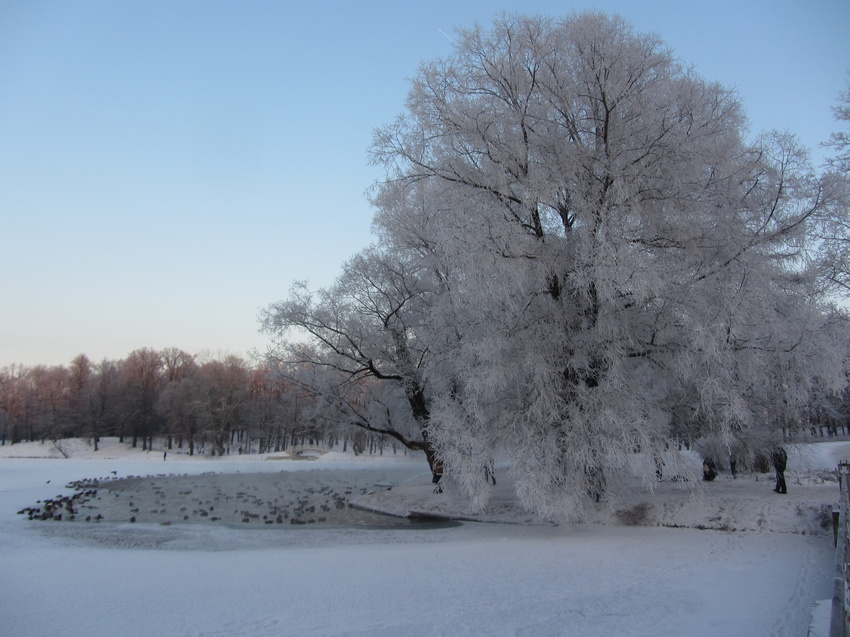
column 197, row 579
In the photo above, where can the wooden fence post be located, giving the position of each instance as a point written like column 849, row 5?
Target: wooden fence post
column 839, row 625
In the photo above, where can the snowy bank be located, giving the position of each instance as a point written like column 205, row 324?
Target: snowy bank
column 403, row 489
column 746, row 503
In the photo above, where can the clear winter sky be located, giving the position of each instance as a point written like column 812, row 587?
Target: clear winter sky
column 169, row 168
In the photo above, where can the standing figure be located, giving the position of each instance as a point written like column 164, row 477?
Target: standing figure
column 709, row 470
column 437, row 474
column 780, row 459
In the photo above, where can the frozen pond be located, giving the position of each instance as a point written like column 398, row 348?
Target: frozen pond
column 222, row 578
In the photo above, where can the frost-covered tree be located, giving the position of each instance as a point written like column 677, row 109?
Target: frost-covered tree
column 224, row 384
column 179, row 401
column 141, row 382
column 613, row 267
column 81, row 391
column 363, row 360
column 834, row 230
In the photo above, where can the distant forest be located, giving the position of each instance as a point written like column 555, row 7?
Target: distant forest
column 201, row 405
column 212, row 406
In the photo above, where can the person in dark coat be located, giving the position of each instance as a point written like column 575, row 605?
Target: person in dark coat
column 780, row 459
column 437, row 474
column 709, row 470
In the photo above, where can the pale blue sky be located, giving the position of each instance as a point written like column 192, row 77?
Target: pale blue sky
column 168, row 168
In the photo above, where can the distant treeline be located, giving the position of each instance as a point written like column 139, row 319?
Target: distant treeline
column 214, row 406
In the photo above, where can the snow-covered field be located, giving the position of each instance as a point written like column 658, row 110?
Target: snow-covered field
column 197, row 579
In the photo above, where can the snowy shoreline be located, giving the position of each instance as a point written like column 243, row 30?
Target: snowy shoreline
column 245, row 490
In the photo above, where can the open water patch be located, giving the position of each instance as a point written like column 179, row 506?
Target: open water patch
column 280, row 500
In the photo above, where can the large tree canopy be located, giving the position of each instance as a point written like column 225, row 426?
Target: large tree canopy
column 603, row 262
